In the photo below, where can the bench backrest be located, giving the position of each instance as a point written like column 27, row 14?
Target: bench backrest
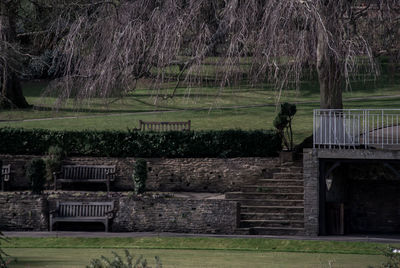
column 5, row 172
column 85, row 172
column 84, row 209
column 164, row 126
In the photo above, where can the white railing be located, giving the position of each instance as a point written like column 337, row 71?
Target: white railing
column 353, row 128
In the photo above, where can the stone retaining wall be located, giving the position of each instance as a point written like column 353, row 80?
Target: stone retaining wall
column 176, row 215
column 168, row 174
column 22, row 211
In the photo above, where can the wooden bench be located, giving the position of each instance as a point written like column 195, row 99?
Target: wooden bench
column 5, row 175
column 164, row 126
column 82, row 212
column 85, row 173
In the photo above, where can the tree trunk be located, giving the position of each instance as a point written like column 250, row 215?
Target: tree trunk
column 329, row 74
column 11, row 91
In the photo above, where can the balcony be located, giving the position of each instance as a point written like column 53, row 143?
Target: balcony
column 356, row 128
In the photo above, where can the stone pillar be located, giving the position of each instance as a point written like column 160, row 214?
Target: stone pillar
column 311, row 191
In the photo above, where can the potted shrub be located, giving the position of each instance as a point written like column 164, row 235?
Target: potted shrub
column 283, row 126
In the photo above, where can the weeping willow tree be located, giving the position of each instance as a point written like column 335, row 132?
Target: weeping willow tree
column 104, row 48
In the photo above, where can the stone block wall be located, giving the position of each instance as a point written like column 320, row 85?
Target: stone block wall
column 311, row 192
column 22, row 211
column 176, row 215
column 168, row 174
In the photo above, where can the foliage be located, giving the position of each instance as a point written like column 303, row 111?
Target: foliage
column 36, row 172
column 392, row 255
column 283, row 124
column 139, row 176
column 3, row 255
column 229, row 143
column 118, row 262
column 53, row 161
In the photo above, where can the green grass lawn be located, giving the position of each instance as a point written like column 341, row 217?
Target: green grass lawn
column 196, row 252
column 218, row 108
column 243, row 118
column 67, row 257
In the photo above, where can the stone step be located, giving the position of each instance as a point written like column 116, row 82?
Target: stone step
column 272, row 223
column 287, row 176
column 264, row 196
column 292, row 164
column 270, row 231
column 291, row 169
column 273, row 189
column 279, row 182
column 270, row 202
column 271, row 209
column 272, row 183
column 272, row 216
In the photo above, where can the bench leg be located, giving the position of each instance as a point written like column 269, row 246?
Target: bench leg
column 106, row 225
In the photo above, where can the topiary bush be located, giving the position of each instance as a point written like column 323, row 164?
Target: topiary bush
column 139, row 176
column 36, row 172
column 224, row 143
column 283, row 124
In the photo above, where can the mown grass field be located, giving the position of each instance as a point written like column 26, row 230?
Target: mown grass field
column 69, row 258
column 243, row 107
column 196, row 252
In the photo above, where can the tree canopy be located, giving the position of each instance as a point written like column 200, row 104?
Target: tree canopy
column 102, row 48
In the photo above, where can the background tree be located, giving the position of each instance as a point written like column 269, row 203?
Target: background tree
column 10, row 57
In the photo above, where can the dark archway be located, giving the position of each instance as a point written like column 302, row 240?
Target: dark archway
column 363, row 196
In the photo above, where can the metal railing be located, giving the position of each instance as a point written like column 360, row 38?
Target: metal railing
column 353, row 128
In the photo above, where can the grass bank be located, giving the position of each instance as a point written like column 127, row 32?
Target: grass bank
column 200, row 243
column 71, row 258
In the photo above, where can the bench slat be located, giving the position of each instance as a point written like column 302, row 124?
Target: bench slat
column 164, row 126
column 98, row 209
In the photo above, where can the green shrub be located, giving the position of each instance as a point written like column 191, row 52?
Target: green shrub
column 36, row 172
column 117, row 262
column 53, row 161
column 139, row 176
column 283, row 124
column 392, row 258
column 227, row 143
column 3, row 256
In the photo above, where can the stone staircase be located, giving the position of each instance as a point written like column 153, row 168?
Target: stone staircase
column 273, row 206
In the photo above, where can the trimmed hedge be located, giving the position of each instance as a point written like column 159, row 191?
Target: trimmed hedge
column 229, row 143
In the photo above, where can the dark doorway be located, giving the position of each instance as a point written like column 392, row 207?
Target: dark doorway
column 359, row 197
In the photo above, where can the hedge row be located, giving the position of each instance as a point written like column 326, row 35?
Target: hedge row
column 230, row 143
